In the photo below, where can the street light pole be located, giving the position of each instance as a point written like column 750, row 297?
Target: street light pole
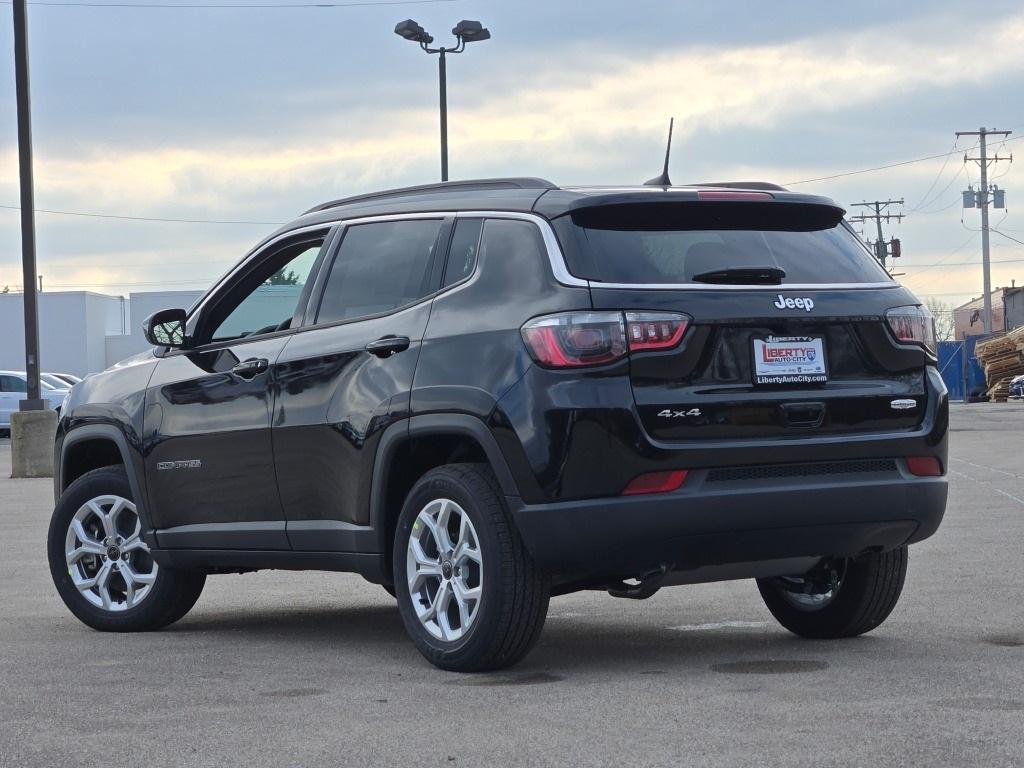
column 442, row 73
column 465, row 32
column 32, row 401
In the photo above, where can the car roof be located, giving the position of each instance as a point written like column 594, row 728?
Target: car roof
column 523, row 195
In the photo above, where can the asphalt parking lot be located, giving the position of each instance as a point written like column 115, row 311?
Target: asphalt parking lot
column 312, row 669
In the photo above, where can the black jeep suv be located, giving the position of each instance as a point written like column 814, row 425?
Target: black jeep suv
column 482, row 394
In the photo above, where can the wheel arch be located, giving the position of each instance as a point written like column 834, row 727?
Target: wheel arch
column 409, row 449
column 92, row 447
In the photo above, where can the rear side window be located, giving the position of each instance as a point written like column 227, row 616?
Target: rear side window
column 380, row 267
column 671, row 243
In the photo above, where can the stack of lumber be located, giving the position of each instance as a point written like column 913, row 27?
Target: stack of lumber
column 1001, row 358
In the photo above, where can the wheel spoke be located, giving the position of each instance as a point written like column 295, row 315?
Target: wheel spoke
column 130, row 574
column 108, row 524
column 463, row 604
column 87, row 548
column 437, row 529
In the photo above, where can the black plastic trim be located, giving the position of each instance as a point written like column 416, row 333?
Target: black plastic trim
column 370, row 566
column 116, row 436
column 269, row 535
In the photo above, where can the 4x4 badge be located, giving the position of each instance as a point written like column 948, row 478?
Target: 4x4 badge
column 670, row 414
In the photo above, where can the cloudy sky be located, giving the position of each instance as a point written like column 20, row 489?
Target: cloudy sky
column 255, row 114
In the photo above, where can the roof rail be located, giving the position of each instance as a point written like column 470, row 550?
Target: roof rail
column 424, row 189
column 741, row 185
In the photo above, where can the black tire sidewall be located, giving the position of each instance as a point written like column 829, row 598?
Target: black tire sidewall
column 443, row 484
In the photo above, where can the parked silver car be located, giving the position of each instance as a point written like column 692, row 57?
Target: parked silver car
column 14, row 385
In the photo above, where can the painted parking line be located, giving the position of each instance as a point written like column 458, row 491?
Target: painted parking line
column 719, row 625
column 990, row 469
column 987, row 485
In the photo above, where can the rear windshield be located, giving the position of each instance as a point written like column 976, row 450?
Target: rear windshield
column 671, row 243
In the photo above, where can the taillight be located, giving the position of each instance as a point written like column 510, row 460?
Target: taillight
column 924, row 466
column 913, row 325
column 577, row 339
column 654, row 330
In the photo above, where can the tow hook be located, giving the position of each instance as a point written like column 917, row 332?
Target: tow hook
column 647, row 584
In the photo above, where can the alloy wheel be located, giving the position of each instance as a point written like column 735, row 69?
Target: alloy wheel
column 445, row 570
column 108, row 561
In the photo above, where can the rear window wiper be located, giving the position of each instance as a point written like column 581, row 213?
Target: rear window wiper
column 742, row 276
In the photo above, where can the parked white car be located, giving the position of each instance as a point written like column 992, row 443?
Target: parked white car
column 14, row 385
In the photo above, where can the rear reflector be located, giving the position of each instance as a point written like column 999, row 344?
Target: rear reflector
column 724, row 194
column 924, row 466
column 656, row 482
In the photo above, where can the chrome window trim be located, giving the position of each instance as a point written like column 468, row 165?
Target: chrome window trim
column 554, row 252
column 781, row 288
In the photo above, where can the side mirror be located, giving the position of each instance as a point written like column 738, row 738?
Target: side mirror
column 165, row 328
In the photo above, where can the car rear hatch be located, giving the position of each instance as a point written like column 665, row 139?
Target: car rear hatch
column 787, row 332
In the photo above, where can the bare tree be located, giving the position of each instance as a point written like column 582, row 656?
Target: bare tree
column 944, row 321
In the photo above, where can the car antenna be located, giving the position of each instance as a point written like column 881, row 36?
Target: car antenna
column 663, row 180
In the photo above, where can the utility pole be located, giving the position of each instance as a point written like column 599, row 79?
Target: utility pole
column 982, row 200
column 32, row 401
column 882, row 248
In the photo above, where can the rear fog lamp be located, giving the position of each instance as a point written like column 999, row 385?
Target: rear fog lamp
column 656, row 482
column 924, row 466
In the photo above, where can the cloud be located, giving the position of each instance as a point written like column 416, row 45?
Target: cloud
column 591, row 128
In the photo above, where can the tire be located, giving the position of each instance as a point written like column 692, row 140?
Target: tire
column 162, row 596
column 512, row 591
column 868, row 591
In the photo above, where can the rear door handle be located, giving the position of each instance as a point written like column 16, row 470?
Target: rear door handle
column 248, row 369
column 388, row 346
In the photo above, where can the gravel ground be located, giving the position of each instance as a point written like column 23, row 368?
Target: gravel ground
column 311, row 669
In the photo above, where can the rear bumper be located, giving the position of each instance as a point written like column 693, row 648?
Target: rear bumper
column 716, row 522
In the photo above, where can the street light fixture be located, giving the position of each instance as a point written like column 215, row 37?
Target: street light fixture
column 465, row 32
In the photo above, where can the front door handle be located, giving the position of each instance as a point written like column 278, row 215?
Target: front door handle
column 388, row 346
column 248, row 369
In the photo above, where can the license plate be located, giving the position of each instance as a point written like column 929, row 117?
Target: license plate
column 790, row 360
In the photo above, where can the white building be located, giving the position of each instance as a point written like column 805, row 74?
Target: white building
column 81, row 332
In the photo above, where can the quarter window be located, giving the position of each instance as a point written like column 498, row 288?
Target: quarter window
column 463, row 252
column 380, row 267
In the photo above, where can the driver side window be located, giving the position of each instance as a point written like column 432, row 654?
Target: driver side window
column 265, row 300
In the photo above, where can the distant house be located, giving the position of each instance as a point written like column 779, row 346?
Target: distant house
column 1007, row 313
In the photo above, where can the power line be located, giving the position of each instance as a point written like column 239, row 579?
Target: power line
column 890, row 165
column 935, row 181
column 147, row 218
column 998, row 232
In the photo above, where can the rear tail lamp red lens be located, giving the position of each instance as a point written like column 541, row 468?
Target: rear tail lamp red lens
column 656, row 482
column 577, row 339
column 924, row 466
column 654, row 330
column 913, row 325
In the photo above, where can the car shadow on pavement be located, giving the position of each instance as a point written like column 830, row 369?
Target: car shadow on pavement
column 566, row 646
